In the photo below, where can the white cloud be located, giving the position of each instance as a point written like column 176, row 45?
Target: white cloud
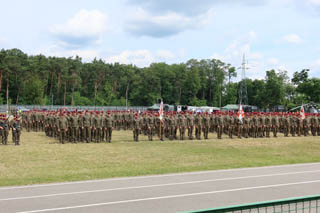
column 257, row 65
column 273, row 61
column 313, row 2
column 86, row 55
column 170, row 23
column 189, row 7
column 83, row 28
column 292, row 38
column 282, row 67
column 315, row 68
column 3, row 41
column 55, row 50
column 165, row 54
column 252, row 35
column 256, row 55
column 238, row 47
column 141, row 58
column 163, row 18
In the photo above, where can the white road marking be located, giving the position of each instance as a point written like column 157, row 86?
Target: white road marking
column 160, row 176
column 169, row 196
column 156, row 185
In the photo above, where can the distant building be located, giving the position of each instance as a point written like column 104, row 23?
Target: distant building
column 235, row 107
column 278, row 108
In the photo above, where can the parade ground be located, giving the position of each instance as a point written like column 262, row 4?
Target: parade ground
column 166, row 193
column 40, row 159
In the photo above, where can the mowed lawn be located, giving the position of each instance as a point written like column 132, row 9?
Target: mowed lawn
column 40, row 159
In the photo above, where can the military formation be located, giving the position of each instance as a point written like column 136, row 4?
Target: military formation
column 97, row 126
column 13, row 123
column 74, row 127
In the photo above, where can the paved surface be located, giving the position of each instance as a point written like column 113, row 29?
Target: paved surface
column 166, row 193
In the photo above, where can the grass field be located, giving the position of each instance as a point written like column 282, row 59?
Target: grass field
column 42, row 160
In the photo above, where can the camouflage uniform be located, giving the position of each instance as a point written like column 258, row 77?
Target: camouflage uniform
column 220, row 125
column 286, row 126
column 314, row 125
column 275, row 125
column 15, row 125
column 108, row 123
column 150, row 126
column 63, row 127
column 182, row 122
column 136, row 125
column 305, row 126
column 292, row 125
column 245, row 126
column 74, row 127
column 86, row 127
column 205, row 126
column 267, row 125
column 197, row 124
column 190, row 124
column 260, row 126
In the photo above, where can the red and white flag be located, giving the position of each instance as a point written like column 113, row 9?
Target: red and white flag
column 161, row 111
column 240, row 113
column 302, row 114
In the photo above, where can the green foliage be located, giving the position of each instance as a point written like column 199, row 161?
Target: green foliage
column 33, row 91
column 36, row 79
column 256, row 93
column 300, row 77
column 311, row 89
column 197, row 102
column 291, row 105
column 81, row 100
column 275, row 88
column 231, row 94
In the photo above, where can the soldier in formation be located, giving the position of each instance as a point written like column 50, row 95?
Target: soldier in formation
column 97, row 126
column 4, row 128
column 15, row 126
column 13, row 123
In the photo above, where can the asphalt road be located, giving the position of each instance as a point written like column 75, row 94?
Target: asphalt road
column 166, row 193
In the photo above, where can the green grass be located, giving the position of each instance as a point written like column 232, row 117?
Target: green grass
column 43, row 160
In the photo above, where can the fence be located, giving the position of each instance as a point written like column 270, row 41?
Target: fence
column 3, row 108
column 301, row 204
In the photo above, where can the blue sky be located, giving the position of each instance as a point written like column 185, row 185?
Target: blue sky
column 274, row 34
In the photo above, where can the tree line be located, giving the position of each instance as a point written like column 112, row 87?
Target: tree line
column 37, row 79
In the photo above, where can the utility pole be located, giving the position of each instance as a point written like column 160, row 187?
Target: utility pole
column 243, row 93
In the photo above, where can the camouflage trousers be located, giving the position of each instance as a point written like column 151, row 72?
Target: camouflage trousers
column 198, row 132
column 108, row 133
column 62, row 135
column 136, row 134
column 16, row 136
column 182, row 131
column 190, row 132
column 205, row 130
column 5, row 133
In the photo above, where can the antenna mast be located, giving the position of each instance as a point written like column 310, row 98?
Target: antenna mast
column 243, row 94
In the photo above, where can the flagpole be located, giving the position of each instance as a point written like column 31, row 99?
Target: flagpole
column 160, row 117
column 160, row 128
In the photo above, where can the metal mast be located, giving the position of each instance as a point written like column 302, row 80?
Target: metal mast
column 243, row 94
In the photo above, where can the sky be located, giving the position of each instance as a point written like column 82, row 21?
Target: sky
column 272, row 34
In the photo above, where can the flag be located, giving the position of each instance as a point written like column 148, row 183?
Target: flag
column 240, row 113
column 161, row 110
column 302, row 114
